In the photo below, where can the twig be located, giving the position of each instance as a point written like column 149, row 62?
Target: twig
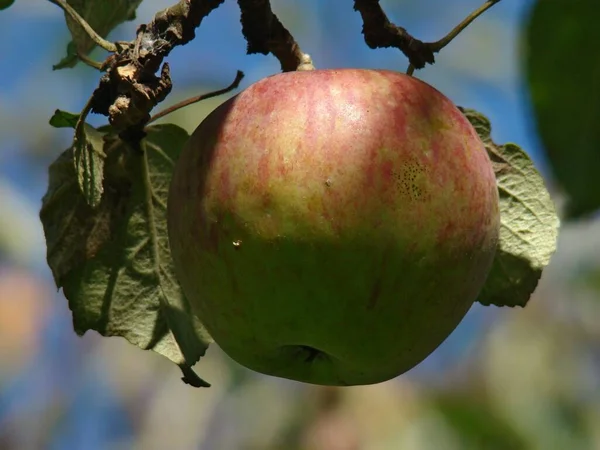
column 438, row 45
column 198, row 98
column 379, row 32
column 99, row 40
column 265, row 34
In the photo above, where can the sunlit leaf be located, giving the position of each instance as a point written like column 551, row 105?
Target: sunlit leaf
column 563, row 71
column 528, row 222
column 113, row 262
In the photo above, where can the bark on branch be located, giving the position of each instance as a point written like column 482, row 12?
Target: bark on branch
column 265, row 34
column 131, row 87
column 379, row 32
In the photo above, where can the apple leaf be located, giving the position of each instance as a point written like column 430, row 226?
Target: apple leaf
column 103, row 16
column 528, row 222
column 562, row 66
column 88, row 157
column 113, row 262
column 63, row 119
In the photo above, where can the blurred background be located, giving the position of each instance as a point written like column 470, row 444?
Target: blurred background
column 505, row 379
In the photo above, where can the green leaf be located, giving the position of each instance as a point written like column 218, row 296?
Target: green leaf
column 70, row 59
column 528, row 222
column 89, row 162
column 64, row 119
column 103, row 16
column 113, row 262
column 89, row 155
column 562, row 65
column 4, row 4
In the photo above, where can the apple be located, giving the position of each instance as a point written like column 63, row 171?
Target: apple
column 333, row 226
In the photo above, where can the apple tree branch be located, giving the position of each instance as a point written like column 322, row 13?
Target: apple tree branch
column 379, row 32
column 265, row 34
column 131, row 87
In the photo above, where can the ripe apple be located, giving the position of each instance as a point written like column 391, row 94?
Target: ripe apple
column 333, row 226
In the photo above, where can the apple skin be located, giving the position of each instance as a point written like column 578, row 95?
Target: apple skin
column 333, row 226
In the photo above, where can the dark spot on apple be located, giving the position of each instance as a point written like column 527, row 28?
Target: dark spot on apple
column 408, row 180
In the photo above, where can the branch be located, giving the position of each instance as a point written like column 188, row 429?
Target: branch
column 130, row 88
column 379, row 32
column 266, row 34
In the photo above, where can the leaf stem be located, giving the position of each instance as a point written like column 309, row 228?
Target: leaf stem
column 99, row 40
column 82, row 116
column 89, row 61
column 198, row 98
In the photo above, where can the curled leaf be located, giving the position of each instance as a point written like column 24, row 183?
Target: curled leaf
column 88, row 157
